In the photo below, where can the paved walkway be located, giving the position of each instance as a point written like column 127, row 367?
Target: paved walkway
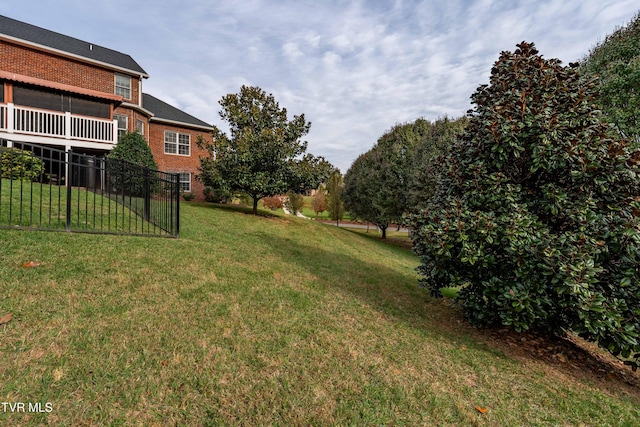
column 299, row 214
column 348, row 224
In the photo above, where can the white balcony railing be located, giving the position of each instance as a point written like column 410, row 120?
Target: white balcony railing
column 33, row 121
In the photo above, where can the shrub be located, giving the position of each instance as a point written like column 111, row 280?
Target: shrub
column 131, row 149
column 536, row 215
column 319, row 200
column 272, row 202
column 208, row 194
column 188, row 196
column 20, row 164
column 216, row 194
column 294, row 202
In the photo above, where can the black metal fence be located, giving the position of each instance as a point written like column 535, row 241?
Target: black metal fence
column 49, row 189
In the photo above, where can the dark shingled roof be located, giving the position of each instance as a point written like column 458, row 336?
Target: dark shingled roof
column 31, row 33
column 162, row 110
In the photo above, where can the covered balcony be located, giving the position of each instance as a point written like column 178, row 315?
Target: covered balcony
column 34, row 125
column 37, row 111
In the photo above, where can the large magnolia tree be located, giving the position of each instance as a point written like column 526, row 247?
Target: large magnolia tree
column 536, row 215
column 263, row 154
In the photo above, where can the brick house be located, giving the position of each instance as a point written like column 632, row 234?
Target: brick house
column 69, row 94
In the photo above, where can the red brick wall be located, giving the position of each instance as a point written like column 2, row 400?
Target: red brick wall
column 134, row 116
column 42, row 65
column 177, row 163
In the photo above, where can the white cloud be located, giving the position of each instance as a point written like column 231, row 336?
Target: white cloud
column 353, row 68
column 291, row 51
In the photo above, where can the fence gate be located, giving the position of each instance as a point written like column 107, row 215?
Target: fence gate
column 48, row 189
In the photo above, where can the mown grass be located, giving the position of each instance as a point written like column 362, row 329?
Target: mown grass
column 266, row 320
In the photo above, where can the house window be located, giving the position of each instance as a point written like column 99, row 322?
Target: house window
column 185, row 182
column 123, row 86
column 177, row 143
column 140, row 127
column 122, row 124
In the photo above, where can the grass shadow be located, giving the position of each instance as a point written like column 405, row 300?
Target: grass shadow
column 392, row 292
column 397, row 295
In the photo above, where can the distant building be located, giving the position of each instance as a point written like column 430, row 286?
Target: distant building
column 66, row 93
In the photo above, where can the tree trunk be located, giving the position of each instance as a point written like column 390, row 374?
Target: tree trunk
column 255, row 206
column 384, row 232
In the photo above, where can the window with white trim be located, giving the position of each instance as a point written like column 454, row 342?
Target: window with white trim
column 123, row 86
column 177, row 143
column 185, row 182
column 122, row 124
column 140, row 127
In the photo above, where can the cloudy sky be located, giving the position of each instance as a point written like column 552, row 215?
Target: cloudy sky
column 354, row 68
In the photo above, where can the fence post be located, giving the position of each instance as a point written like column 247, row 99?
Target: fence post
column 176, row 181
column 147, row 194
column 67, row 182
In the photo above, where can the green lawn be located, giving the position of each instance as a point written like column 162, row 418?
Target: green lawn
column 268, row 320
column 43, row 206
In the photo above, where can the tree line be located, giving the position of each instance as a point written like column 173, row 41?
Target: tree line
column 397, row 175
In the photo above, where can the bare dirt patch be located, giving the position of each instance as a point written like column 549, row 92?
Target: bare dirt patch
column 570, row 355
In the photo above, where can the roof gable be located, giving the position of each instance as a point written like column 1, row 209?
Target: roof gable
column 52, row 40
column 163, row 111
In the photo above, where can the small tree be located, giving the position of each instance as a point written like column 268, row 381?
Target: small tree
column 132, row 148
column 294, row 202
column 360, row 190
column 335, row 204
column 261, row 154
column 318, row 201
column 536, row 215
column 272, row 202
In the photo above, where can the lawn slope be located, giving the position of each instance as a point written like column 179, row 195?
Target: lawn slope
column 257, row 321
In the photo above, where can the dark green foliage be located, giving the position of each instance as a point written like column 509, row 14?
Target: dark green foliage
column 132, row 148
column 310, row 172
column 294, row 202
column 216, row 192
column 536, row 215
column 362, row 194
column 20, row 164
column 434, row 139
column 616, row 63
column 389, row 180
column 263, row 154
